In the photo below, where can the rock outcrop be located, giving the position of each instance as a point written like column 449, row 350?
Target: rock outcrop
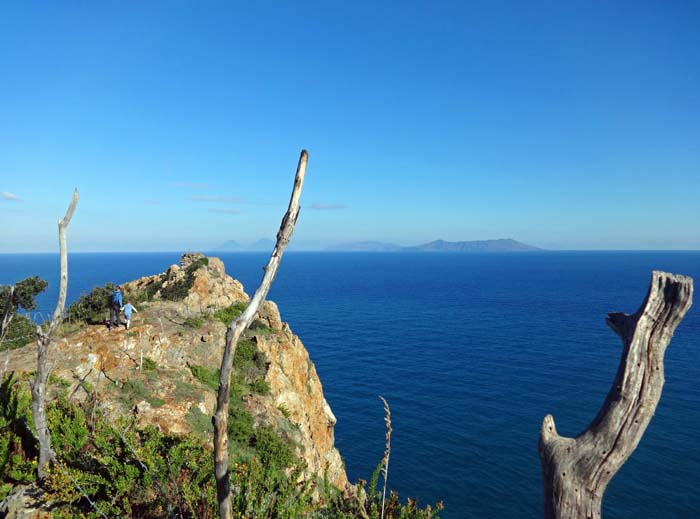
column 148, row 370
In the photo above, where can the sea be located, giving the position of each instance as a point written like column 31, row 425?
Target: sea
column 471, row 351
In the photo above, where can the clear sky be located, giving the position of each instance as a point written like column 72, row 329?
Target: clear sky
column 563, row 124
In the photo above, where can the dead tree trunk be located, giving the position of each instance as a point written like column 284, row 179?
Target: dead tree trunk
column 8, row 314
column 235, row 329
column 576, row 471
column 43, row 339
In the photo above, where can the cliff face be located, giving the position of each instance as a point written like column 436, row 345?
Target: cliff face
column 177, row 337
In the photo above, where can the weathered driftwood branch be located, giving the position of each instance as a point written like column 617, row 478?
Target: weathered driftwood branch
column 43, row 339
column 235, row 329
column 576, row 471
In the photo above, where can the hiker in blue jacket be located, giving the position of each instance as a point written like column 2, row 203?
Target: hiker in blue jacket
column 115, row 307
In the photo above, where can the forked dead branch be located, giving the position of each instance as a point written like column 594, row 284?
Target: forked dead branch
column 576, row 471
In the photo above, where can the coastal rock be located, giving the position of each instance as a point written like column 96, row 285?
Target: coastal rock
column 297, row 390
column 148, row 370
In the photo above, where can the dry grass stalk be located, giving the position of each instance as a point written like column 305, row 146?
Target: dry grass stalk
column 387, row 449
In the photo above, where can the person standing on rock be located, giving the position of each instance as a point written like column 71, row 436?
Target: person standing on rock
column 115, row 307
column 128, row 308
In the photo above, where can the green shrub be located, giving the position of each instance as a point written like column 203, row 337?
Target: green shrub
column 260, row 386
column 198, row 421
column 177, row 290
column 24, row 294
column 248, row 354
column 20, row 329
column 226, row 315
column 193, row 322
column 68, row 426
column 133, row 391
column 19, row 332
column 18, row 448
column 185, row 391
column 240, row 424
column 273, row 471
column 151, row 291
column 130, row 472
column 258, row 326
column 92, row 308
column 283, row 409
column 134, row 473
column 148, row 364
column 207, row 376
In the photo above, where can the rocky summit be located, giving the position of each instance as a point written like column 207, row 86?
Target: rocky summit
column 163, row 369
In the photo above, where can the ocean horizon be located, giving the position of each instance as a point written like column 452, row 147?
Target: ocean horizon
column 471, row 350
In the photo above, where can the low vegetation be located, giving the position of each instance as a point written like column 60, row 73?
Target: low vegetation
column 178, row 290
column 16, row 329
column 226, row 315
column 130, row 472
column 193, row 322
column 92, row 308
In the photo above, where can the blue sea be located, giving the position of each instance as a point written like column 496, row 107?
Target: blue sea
column 471, row 351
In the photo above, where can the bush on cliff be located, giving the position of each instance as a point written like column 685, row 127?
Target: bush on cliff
column 20, row 330
column 177, row 290
column 226, row 315
column 131, row 472
column 92, row 308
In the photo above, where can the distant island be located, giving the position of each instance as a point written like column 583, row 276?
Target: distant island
column 500, row 245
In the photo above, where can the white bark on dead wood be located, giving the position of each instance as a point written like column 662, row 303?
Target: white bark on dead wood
column 576, row 471
column 235, row 329
column 43, row 339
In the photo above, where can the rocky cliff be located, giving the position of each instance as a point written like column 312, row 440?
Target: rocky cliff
column 155, row 369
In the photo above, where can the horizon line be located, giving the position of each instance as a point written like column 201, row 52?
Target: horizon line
column 331, row 251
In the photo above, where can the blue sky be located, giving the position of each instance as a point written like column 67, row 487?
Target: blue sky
column 568, row 125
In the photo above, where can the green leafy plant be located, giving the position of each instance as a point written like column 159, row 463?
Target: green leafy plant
column 228, row 314
column 18, row 448
column 193, row 322
column 258, row 326
column 207, row 376
column 127, row 471
column 260, row 386
column 177, row 290
column 149, row 364
column 150, row 291
column 133, row 391
column 198, row 421
column 92, row 308
column 20, row 329
column 283, row 409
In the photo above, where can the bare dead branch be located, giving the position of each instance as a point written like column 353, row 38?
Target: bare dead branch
column 8, row 314
column 43, row 339
column 576, row 471
column 235, row 329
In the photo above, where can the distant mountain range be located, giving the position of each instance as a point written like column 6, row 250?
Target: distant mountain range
column 501, row 245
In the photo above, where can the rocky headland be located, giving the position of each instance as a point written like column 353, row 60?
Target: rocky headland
column 160, row 370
